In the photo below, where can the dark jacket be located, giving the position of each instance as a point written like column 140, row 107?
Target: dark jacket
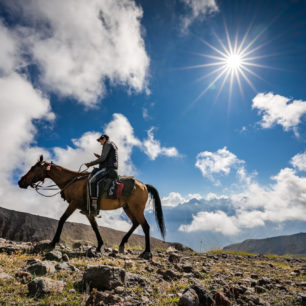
column 108, row 158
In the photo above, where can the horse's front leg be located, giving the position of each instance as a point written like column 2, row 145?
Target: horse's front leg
column 95, row 227
column 70, row 209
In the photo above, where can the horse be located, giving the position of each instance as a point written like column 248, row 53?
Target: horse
column 73, row 186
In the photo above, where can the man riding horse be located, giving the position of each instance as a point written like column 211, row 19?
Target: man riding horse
column 108, row 165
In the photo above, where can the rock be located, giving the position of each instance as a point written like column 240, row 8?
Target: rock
column 65, row 257
column 120, row 290
column 92, row 253
column 43, row 285
column 189, row 298
column 187, row 267
column 205, row 297
column 4, row 276
column 260, row 289
column 133, row 279
column 128, row 264
column 24, row 276
column 239, row 274
column 66, row 267
column 54, row 255
column 254, row 276
column 168, row 275
column 170, row 249
column 104, row 277
column 221, row 299
column 41, row 268
column 174, row 258
column 103, row 298
column 264, row 281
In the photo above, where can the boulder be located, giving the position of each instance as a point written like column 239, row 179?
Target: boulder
column 104, row 277
column 54, row 255
column 40, row 268
column 189, row 298
column 43, row 285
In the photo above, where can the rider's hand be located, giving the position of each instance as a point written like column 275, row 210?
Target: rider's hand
column 87, row 165
column 96, row 155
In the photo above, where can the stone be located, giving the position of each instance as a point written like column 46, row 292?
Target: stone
column 4, row 276
column 205, row 297
column 104, row 277
column 168, row 275
column 221, row 299
column 133, row 279
column 187, row 267
column 189, row 298
column 92, row 253
column 260, row 289
column 103, row 298
column 41, row 268
column 264, row 281
column 54, row 255
column 23, row 276
column 128, row 264
column 120, row 290
column 65, row 257
column 43, row 285
column 66, row 267
column 174, row 258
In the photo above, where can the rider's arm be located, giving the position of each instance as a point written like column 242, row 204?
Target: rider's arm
column 105, row 151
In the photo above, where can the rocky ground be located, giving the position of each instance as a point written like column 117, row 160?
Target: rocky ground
column 32, row 275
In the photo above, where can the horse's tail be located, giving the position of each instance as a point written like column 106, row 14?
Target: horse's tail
column 158, row 209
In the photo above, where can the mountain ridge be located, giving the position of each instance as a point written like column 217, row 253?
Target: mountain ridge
column 21, row 226
column 280, row 245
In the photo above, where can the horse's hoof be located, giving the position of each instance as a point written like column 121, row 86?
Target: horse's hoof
column 121, row 249
column 146, row 255
column 92, row 253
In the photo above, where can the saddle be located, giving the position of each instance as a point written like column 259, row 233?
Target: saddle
column 114, row 189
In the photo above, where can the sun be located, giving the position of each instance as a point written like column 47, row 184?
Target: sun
column 231, row 61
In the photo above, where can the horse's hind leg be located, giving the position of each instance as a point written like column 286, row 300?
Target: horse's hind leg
column 94, row 226
column 70, row 209
column 146, row 228
column 132, row 229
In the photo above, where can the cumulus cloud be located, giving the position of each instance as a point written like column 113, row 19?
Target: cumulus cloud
column 218, row 221
column 153, row 148
column 198, row 9
column 284, row 200
column 220, row 162
column 276, row 109
column 299, row 161
column 77, row 45
column 175, row 198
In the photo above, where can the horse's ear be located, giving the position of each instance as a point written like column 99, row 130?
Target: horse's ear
column 41, row 158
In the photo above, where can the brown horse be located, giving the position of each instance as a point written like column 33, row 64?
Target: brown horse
column 74, row 191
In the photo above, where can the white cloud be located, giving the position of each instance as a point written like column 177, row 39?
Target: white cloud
column 9, row 55
column 220, row 162
column 218, row 221
column 153, row 148
column 175, row 198
column 79, row 44
column 199, row 9
column 299, row 161
column 212, row 196
column 280, row 110
column 284, row 200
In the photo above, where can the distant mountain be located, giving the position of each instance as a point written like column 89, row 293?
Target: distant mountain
column 20, row 226
column 281, row 245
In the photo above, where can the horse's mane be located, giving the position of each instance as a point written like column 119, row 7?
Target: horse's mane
column 70, row 171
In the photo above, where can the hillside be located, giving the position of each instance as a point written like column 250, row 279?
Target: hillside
column 67, row 276
column 19, row 226
column 281, row 245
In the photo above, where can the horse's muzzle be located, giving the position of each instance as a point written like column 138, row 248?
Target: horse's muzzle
column 22, row 184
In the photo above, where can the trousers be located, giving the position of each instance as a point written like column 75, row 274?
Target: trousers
column 96, row 176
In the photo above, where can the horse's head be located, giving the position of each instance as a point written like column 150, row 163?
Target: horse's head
column 37, row 173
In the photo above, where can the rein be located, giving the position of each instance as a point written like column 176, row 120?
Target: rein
column 38, row 186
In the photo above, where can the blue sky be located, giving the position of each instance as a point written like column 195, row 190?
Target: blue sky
column 229, row 158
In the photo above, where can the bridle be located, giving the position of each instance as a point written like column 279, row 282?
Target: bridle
column 39, row 185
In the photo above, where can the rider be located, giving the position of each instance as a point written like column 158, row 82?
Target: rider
column 108, row 165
